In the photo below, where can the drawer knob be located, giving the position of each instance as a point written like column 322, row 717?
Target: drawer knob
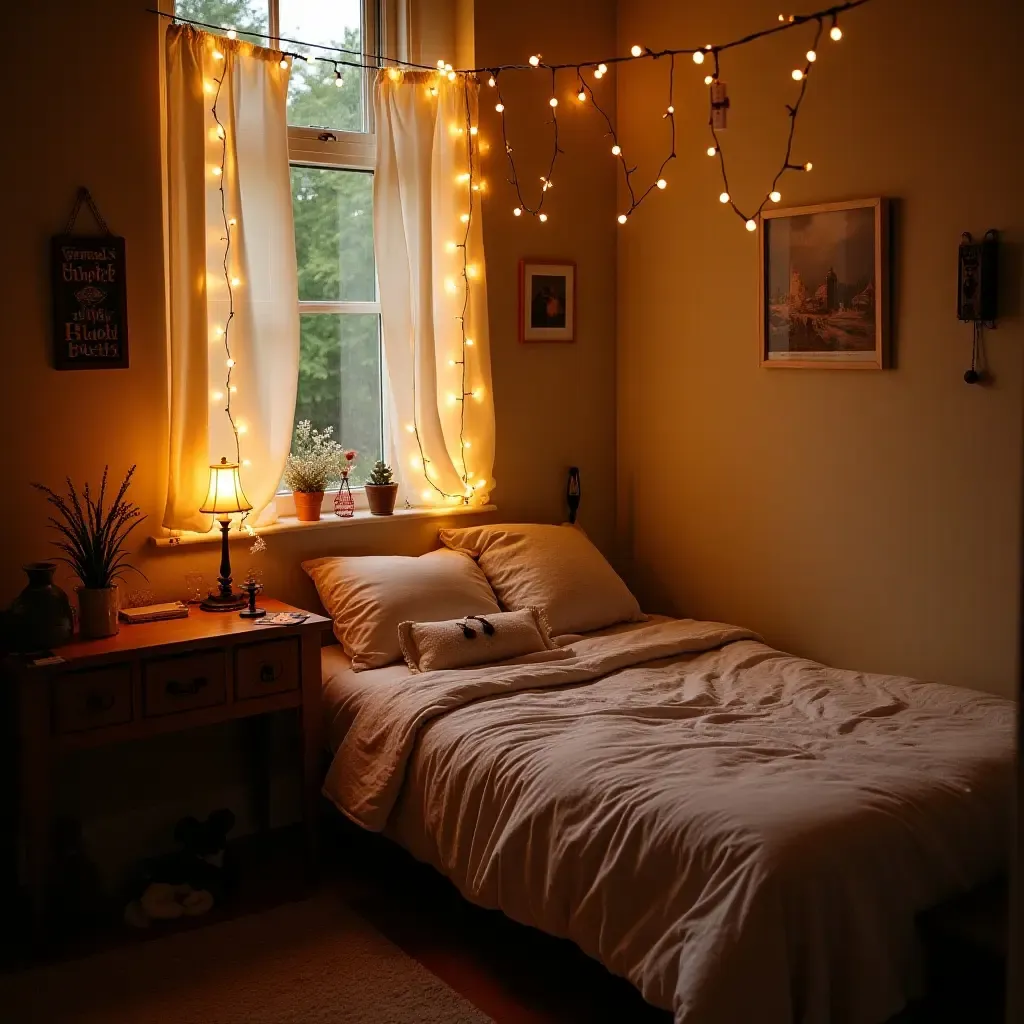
column 177, row 688
column 96, row 702
column 270, row 672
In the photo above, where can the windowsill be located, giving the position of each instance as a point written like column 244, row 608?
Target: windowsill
column 289, row 524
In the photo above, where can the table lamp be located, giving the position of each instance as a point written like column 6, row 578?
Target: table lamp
column 224, row 499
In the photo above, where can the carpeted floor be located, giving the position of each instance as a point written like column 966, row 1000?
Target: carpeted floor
column 314, row 962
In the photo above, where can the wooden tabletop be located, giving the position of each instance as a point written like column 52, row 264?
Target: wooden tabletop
column 199, row 626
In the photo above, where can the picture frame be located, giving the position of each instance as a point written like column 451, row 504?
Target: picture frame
column 824, row 286
column 547, row 300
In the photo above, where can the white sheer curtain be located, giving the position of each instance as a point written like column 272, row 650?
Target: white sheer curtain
column 433, row 289
column 250, row 91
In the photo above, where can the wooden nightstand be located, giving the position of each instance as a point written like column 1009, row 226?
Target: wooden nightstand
column 155, row 678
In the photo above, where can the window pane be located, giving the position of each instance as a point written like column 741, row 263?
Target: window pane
column 334, row 234
column 236, row 14
column 314, row 98
column 339, row 382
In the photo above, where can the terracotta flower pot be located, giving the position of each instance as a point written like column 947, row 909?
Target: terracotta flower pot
column 381, row 498
column 97, row 612
column 307, row 505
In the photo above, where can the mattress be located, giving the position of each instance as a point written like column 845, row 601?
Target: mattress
column 742, row 834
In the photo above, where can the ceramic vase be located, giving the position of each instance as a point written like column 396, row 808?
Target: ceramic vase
column 97, row 612
column 40, row 617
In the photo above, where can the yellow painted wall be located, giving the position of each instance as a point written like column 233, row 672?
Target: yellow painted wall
column 870, row 520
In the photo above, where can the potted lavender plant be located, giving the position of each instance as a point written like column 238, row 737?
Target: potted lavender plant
column 93, row 545
column 314, row 463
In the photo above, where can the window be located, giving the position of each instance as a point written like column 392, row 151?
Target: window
column 331, row 147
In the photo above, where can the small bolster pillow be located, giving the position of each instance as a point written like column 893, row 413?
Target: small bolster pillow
column 478, row 640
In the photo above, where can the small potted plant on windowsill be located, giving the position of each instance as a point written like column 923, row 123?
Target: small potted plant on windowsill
column 314, row 463
column 381, row 490
column 93, row 546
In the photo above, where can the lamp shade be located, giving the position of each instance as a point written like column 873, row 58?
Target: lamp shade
column 225, row 495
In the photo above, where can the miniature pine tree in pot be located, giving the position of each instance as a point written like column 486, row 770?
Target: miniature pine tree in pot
column 381, row 490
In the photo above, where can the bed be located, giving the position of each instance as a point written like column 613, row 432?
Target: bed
column 743, row 834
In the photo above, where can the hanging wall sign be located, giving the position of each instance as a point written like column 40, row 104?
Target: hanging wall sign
column 90, row 303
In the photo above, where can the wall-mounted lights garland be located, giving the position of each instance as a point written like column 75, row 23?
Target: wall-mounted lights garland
column 718, row 102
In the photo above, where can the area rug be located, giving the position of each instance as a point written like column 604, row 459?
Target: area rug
column 314, row 962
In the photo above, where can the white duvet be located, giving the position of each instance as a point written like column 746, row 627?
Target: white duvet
column 744, row 835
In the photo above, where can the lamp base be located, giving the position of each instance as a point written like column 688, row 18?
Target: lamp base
column 219, row 602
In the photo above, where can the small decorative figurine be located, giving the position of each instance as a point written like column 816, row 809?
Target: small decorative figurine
column 252, row 586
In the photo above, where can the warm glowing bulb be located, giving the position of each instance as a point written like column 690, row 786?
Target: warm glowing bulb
column 662, row 183
column 517, row 212
column 808, row 166
column 599, row 73
column 811, row 56
column 616, row 150
column 451, row 398
column 410, row 428
column 235, row 282
column 230, row 363
column 451, row 362
column 232, row 222
column 724, row 197
column 623, row 218
column 751, row 225
column 637, row 51
column 490, row 81
column 283, row 63
column 216, row 172
column 499, row 107
column 218, row 331
column 220, row 132
column 433, row 90
column 217, row 55
column 775, row 196
column 542, row 217
column 415, row 462
column 339, row 81
column 581, row 95
column 232, row 34
column 246, row 462
column 698, row 57
column 473, row 130
column 450, row 246
column 394, row 74
column 440, row 65
column 478, row 393
column 469, row 341
column 233, row 389
column 534, row 61
column 603, row 68
column 208, row 86
column 836, row 33
column 708, row 79
column 464, row 177
column 447, row 66
column 712, row 150
column 425, row 495
column 464, row 218
column 552, row 102
column 471, row 270
column 797, row 74
column 217, row 396
column 451, row 76
column 449, row 285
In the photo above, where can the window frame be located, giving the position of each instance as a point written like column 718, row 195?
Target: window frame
column 333, row 149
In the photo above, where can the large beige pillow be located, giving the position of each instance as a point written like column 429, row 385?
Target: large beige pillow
column 554, row 568
column 368, row 596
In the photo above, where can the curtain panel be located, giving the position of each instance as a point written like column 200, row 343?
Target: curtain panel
column 433, row 287
column 241, row 86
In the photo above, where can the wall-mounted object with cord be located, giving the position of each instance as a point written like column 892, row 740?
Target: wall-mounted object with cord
column 573, row 492
column 977, row 294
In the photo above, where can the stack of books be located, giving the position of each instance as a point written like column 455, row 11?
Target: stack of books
column 154, row 612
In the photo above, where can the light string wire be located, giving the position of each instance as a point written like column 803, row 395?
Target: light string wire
column 470, row 178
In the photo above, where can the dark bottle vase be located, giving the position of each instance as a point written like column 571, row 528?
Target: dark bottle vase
column 40, row 617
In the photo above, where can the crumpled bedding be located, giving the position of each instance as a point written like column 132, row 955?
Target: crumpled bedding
column 744, row 835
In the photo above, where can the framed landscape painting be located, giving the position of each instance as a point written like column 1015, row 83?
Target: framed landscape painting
column 825, row 286
column 547, row 300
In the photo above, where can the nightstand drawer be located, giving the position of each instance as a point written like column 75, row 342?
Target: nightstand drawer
column 272, row 667
column 183, row 684
column 91, row 700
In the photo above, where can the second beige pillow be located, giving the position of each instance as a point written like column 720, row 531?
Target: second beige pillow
column 554, row 568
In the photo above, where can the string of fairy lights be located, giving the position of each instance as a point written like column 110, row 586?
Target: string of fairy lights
column 587, row 74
